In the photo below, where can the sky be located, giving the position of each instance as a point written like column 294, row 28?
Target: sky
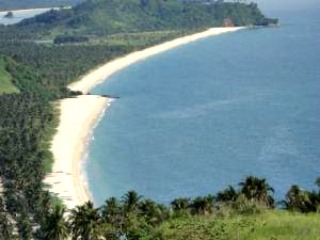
column 270, row 5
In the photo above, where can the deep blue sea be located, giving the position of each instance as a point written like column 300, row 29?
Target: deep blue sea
column 197, row 118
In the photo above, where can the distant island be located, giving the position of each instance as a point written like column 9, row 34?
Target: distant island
column 41, row 56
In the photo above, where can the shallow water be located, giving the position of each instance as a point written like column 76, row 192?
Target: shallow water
column 199, row 117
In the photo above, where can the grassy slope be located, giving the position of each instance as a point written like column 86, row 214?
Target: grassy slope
column 276, row 225
column 6, row 85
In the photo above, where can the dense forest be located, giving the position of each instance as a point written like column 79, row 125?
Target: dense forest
column 40, row 56
column 101, row 17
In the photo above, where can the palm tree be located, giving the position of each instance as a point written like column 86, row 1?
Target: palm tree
column 55, row 227
column 297, row 200
column 111, row 210
column 202, row 205
column 257, row 189
column 228, row 195
column 131, row 200
column 85, row 222
column 113, row 219
column 179, row 204
column 6, row 228
column 151, row 212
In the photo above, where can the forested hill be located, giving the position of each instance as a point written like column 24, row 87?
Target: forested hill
column 103, row 17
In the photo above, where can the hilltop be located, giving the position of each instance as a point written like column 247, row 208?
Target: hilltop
column 104, row 17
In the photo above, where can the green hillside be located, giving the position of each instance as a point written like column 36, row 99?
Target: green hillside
column 101, row 17
column 6, row 85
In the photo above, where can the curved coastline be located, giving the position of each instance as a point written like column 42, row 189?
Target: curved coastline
column 78, row 116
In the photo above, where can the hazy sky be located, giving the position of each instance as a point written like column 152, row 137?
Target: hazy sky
column 287, row 4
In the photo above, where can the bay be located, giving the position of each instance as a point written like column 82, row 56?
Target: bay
column 195, row 119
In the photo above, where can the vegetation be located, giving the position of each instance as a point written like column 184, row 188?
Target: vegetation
column 248, row 216
column 6, row 86
column 105, row 17
column 27, row 123
column 272, row 224
column 40, row 56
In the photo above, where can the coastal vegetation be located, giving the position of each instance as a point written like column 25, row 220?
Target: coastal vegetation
column 42, row 55
column 246, row 212
column 6, row 86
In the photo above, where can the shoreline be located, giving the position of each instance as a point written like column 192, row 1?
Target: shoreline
column 80, row 115
column 101, row 73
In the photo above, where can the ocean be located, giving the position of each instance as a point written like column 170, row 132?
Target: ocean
column 203, row 116
column 19, row 15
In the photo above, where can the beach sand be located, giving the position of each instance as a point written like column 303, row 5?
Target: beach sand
column 79, row 115
column 101, row 73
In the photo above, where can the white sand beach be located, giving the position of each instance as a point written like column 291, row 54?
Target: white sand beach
column 79, row 115
column 103, row 72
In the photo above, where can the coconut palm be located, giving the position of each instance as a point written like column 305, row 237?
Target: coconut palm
column 202, row 205
column 151, row 212
column 298, row 200
column 113, row 219
column 85, row 222
column 55, row 227
column 228, row 195
column 6, row 227
column 179, row 204
column 257, row 189
column 111, row 210
column 131, row 201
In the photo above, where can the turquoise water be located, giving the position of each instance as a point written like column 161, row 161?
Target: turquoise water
column 199, row 117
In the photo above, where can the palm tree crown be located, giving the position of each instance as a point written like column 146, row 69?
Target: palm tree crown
column 257, row 189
